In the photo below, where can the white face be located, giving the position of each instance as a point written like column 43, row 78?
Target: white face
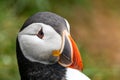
column 39, row 49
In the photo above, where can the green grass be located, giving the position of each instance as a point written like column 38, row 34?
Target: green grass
column 12, row 16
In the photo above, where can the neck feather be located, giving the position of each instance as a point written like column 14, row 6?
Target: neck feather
column 38, row 71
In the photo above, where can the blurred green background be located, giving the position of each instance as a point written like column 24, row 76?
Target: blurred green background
column 95, row 26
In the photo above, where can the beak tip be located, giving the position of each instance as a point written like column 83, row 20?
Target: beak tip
column 77, row 60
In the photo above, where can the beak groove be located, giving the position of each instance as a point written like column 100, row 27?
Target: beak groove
column 69, row 53
column 66, row 56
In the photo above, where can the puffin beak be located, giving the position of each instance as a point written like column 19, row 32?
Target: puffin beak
column 69, row 53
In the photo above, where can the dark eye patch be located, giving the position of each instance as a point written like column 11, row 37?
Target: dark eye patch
column 40, row 34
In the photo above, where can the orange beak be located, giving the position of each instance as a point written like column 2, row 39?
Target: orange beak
column 70, row 55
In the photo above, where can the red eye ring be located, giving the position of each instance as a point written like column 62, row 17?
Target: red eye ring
column 40, row 34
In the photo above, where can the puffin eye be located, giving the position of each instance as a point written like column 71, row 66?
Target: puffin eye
column 40, row 34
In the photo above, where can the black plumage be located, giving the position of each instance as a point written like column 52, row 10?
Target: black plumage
column 37, row 71
column 56, row 21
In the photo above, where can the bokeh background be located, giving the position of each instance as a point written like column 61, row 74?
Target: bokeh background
column 95, row 26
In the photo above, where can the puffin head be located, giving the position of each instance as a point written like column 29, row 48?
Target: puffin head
column 45, row 38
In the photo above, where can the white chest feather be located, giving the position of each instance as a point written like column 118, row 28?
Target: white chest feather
column 72, row 74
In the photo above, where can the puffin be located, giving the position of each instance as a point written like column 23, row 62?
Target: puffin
column 46, row 51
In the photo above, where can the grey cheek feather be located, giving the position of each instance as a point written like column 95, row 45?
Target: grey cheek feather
column 34, row 53
column 40, row 50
